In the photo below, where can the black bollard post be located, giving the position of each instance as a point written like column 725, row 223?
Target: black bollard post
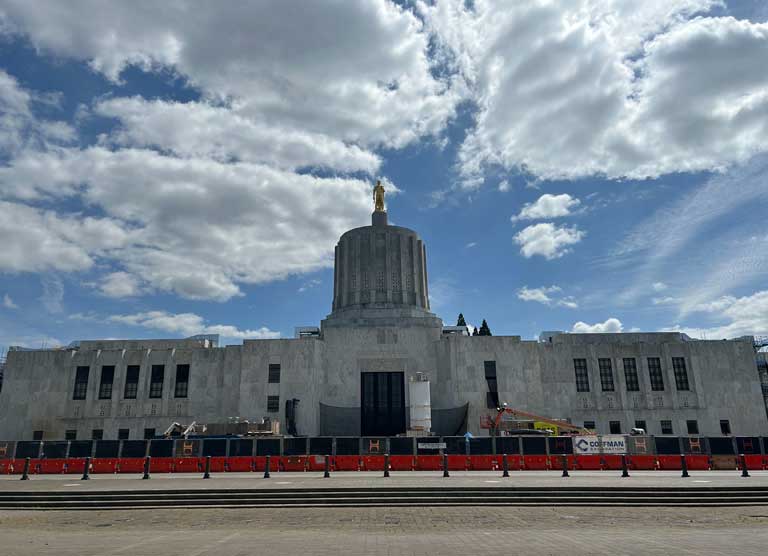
column 744, row 470
column 386, row 465
column 25, row 473
column 504, row 466
column 445, row 465
column 207, row 474
column 327, row 472
column 624, row 466
column 147, row 461
column 565, row 466
column 266, row 468
column 86, row 470
column 684, row 465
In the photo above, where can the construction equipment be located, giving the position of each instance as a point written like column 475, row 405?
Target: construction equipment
column 178, row 430
column 494, row 422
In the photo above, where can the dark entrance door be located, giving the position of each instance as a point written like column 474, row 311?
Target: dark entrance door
column 383, row 404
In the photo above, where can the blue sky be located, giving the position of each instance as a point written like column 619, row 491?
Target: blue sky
column 174, row 169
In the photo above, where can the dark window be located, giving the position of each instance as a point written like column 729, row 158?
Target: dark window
column 606, row 374
column 107, row 378
column 70, row 434
column 274, row 373
column 273, row 404
column 131, row 382
column 490, row 369
column 654, row 372
column 641, row 425
column 491, row 400
column 37, row 435
column 666, row 427
column 681, row 373
column 615, row 427
column 492, row 396
column 582, row 376
column 589, row 425
column 630, row 374
column 97, row 434
column 149, row 434
column 81, row 383
column 182, row 381
column 122, row 434
column 725, row 426
column 156, row 384
column 693, row 427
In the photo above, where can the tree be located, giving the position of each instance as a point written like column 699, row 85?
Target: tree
column 475, row 332
column 461, row 321
column 484, row 330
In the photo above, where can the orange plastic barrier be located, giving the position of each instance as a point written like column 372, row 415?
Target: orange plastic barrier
column 429, row 463
column 484, row 463
column 317, row 463
column 556, row 461
column 642, row 462
column 293, row 463
column 612, row 461
column 346, row 463
column 160, row 465
column 724, row 462
column 590, row 462
column 697, row 462
column 5, row 466
column 130, row 465
column 458, row 463
column 103, row 465
column 260, row 463
column 187, row 465
column 240, row 464
column 401, row 463
column 51, row 466
column 372, row 463
column 535, row 463
column 670, row 463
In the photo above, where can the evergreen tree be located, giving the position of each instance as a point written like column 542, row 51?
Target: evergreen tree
column 474, row 333
column 461, row 321
column 484, row 330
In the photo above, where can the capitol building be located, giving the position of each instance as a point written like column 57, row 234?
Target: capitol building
column 356, row 374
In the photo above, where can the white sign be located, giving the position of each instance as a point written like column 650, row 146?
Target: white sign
column 609, row 444
column 431, row 445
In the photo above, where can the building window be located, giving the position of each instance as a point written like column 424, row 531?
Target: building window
column 105, row 386
column 156, row 383
column 615, row 427
column 122, row 434
column 582, row 376
column 182, row 381
column 654, row 372
column 725, row 426
column 37, row 435
column 693, row 427
column 149, row 434
column 681, row 373
column 640, row 424
column 274, row 373
column 81, row 383
column 131, row 382
column 273, row 404
column 97, row 434
column 70, row 434
column 666, row 427
column 630, row 374
column 606, row 374
column 492, row 396
column 589, row 425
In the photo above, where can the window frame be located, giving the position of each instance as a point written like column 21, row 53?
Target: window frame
column 617, row 427
column 593, row 426
column 155, row 391
column 582, row 380
column 80, row 391
column 688, row 427
column 656, row 374
column 274, row 372
column 70, row 434
column 606, row 374
column 106, row 388
column 181, row 388
column 643, row 422
column 666, row 429
column 631, row 378
column 130, row 381
column 681, row 374
column 725, row 427
column 121, row 436
column 273, row 402
column 97, row 434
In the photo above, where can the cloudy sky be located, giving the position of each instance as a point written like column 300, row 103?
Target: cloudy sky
column 173, row 168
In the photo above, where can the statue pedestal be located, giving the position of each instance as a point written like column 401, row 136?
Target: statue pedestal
column 379, row 218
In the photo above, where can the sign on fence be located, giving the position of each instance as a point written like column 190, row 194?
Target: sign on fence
column 431, row 445
column 609, row 444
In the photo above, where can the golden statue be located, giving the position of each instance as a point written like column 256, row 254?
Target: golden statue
column 378, row 197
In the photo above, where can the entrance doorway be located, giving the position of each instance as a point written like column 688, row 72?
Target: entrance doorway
column 383, row 404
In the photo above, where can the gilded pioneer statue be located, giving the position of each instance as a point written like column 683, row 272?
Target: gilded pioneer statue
column 378, row 197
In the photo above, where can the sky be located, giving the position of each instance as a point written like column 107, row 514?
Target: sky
column 178, row 168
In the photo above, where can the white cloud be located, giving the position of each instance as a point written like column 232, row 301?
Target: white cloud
column 544, row 295
column 742, row 316
column 611, row 325
column 53, row 294
column 189, row 324
column 8, row 302
column 309, row 284
column 504, row 186
column 547, row 240
column 470, row 245
column 659, row 286
column 599, row 83
column 120, row 284
column 548, row 206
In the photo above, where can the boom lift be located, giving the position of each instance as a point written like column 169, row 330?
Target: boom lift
column 493, row 422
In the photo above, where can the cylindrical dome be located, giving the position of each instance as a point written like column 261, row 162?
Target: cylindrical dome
column 380, row 266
